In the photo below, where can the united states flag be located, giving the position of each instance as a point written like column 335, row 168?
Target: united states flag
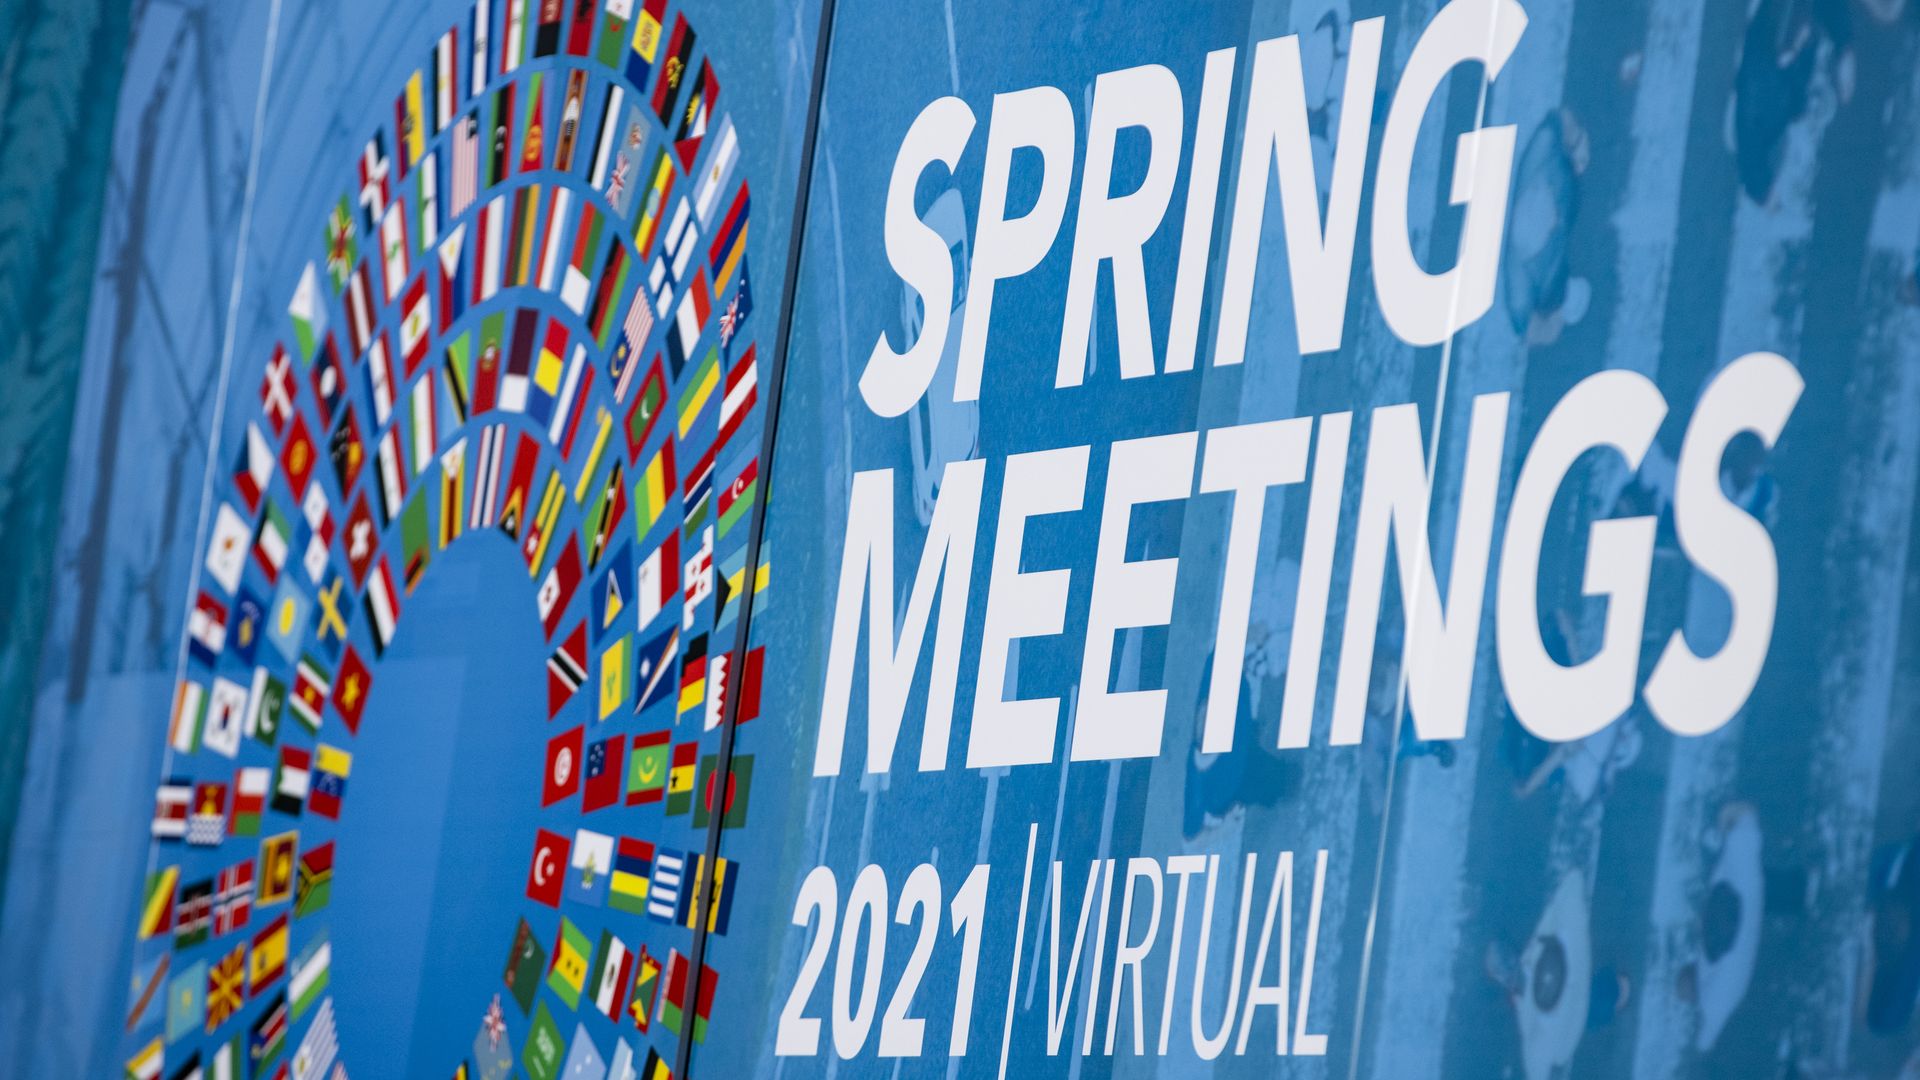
column 466, row 165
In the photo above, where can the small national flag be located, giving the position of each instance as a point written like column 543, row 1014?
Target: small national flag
column 657, row 580
column 604, row 516
column 268, row 1036
column 276, row 390
column 632, row 869
column 276, row 868
column 254, row 470
column 207, row 825
column 738, row 308
column 486, row 477
column 653, row 209
column 226, row 985
column 602, row 787
column 226, row 717
column 189, row 710
column 663, row 892
column 730, row 243
column 566, row 670
column 417, row 542
column 342, row 247
column 646, row 44
column 156, row 908
column 147, row 1062
column 719, row 170
column 679, row 50
column 311, row 683
column 270, row 541
column 647, row 772
column 393, row 474
column 383, row 606
column 319, row 1047
column 655, row 661
column 250, row 785
column 331, row 766
column 653, row 490
column 698, row 572
column 693, row 682
column 546, row 876
column 359, row 309
column 233, row 897
column 395, row 260
column 646, row 986
column 227, row 548
column 612, row 969
column 645, row 412
column 350, row 689
column 313, row 886
column 479, row 32
column 680, row 777
column 676, row 999
column 416, row 324
column 713, row 887
column 193, row 914
column 694, row 116
column 466, row 164
column 311, row 973
column 527, row 959
column 569, row 973
column 291, row 780
column 699, row 390
column 732, row 806
column 374, row 171
column 186, row 1001
column 308, row 311
column 170, row 810
column 297, row 457
column 611, row 590
column 287, row 618
column 380, row 381
column 454, row 283
column 742, row 384
column 570, row 118
column 410, row 122
column 592, row 864
column 206, row 628
column 689, row 321
column 265, row 699
column 563, row 766
column 556, row 589
column 269, row 960
column 347, row 451
column 737, row 500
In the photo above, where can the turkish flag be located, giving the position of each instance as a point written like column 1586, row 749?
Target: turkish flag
column 563, row 766
column 548, row 872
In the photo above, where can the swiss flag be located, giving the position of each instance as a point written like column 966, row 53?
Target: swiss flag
column 563, row 766
column 548, row 871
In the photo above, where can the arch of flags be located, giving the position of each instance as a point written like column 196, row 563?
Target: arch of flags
column 529, row 319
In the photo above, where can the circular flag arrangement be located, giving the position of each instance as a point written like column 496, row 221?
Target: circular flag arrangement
column 529, row 321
